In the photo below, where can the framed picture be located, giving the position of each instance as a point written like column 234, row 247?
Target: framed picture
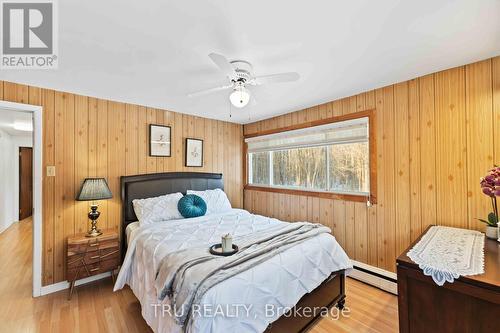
column 159, row 140
column 194, row 152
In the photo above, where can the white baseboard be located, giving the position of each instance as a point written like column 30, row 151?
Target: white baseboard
column 52, row 288
column 377, row 279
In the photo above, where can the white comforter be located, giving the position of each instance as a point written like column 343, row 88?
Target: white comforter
column 247, row 302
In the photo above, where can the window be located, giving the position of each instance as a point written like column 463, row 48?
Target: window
column 260, row 167
column 332, row 157
column 349, row 171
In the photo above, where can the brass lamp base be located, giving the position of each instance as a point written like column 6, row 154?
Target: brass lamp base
column 93, row 216
column 93, row 233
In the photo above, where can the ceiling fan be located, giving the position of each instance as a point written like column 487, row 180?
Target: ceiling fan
column 240, row 75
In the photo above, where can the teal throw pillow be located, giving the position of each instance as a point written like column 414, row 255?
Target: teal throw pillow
column 192, row 205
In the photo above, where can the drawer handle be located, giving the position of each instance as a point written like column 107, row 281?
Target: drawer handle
column 93, row 244
column 94, row 269
column 95, row 257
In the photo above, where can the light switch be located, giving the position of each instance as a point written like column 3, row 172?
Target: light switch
column 51, row 171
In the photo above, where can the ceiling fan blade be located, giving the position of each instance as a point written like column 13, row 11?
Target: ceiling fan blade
column 223, row 64
column 210, row 90
column 277, row 78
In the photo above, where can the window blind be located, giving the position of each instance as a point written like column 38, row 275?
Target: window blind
column 355, row 130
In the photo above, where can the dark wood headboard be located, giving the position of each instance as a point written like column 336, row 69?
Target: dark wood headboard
column 156, row 184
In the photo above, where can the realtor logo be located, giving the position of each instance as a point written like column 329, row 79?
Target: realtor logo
column 28, row 35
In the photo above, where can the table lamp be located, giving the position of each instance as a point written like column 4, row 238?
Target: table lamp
column 94, row 189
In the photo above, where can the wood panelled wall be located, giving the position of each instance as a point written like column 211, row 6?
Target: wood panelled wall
column 436, row 136
column 88, row 137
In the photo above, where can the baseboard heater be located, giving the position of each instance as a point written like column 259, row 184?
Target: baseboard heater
column 371, row 275
column 374, row 276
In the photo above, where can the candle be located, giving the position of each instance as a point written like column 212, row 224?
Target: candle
column 227, row 243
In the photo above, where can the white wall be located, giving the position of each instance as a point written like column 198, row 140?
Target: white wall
column 9, row 177
column 6, row 181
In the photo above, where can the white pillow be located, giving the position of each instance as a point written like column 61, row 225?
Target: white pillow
column 216, row 200
column 162, row 208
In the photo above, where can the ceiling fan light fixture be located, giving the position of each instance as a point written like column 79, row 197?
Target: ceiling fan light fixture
column 240, row 97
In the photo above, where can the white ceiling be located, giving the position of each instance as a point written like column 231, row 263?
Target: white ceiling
column 8, row 118
column 155, row 52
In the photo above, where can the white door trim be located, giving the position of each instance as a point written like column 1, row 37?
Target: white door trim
column 37, row 187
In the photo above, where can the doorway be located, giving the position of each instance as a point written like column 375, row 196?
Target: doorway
column 21, row 132
column 25, row 182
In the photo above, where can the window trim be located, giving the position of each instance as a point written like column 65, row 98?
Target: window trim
column 372, row 144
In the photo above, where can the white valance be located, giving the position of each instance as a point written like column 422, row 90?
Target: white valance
column 348, row 131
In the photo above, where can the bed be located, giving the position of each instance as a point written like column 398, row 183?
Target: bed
column 310, row 274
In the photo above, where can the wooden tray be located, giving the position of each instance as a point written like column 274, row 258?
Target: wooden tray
column 216, row 249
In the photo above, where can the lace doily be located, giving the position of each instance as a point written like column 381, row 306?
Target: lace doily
column 446, row 253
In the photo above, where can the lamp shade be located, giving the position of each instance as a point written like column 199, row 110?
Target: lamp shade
column 94, row 189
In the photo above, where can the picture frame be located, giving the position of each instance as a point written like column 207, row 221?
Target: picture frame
column 160, row 141
column 194, row 152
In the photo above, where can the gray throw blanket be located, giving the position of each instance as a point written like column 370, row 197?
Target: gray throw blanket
column 186, row 275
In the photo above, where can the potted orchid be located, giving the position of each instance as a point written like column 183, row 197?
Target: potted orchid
column 490, row 185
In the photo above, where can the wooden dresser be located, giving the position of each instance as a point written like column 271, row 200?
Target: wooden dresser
column 469, row 304
column 88, row 256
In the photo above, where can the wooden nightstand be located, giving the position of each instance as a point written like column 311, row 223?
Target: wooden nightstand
column 88, row 256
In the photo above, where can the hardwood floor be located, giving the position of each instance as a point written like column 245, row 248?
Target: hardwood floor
column 371, row 310
column 95, row 308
